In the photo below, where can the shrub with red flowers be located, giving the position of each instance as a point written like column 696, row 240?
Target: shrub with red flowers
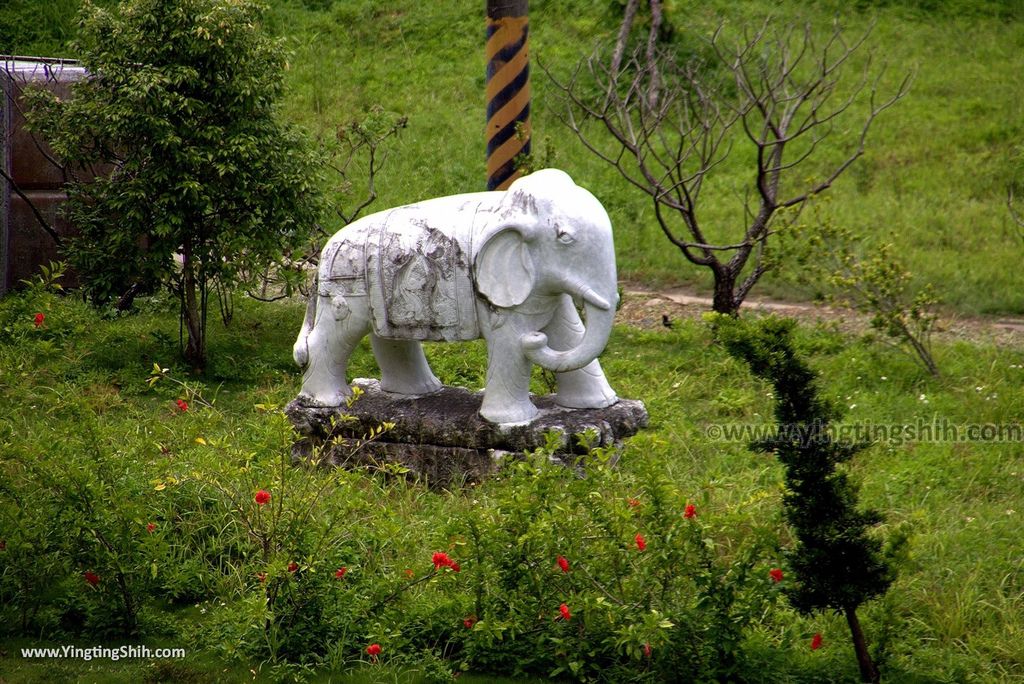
column 624, row 599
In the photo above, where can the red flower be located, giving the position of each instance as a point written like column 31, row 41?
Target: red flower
column 647, row 651
column 469, row 622
column 564, row 610
column 261, row 576
column 816, row 642
column 38, row 319
column 455, row 567
column 293, row 566
column 373, row 650
column 262, row 497
column 641, row 543
column 91, row 577
column 690, row 511
column 340, row 572
column 441, row 560
column 633, row 502
column 182, row 405
column 151, row 527
column 775, row 574
column 563, row 563
column 409, row 573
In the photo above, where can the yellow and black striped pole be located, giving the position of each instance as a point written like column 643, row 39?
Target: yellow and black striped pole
column 508, row 89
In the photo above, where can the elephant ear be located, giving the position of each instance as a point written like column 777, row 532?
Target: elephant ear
column 504, row 269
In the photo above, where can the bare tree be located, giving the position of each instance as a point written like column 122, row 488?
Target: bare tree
column 667, row 125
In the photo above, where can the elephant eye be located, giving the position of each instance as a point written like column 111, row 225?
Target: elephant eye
column 565, row 238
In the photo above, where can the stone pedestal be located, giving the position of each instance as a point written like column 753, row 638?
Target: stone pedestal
column 441, row 436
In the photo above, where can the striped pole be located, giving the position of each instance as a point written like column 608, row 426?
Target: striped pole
column 508, row 89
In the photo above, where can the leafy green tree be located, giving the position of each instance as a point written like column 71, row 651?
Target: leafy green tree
column 837, row 564
column 180, row 171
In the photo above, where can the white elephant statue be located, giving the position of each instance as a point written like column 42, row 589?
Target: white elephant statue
column 509, row 266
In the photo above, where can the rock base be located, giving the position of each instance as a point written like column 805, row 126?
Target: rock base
column 441, row 438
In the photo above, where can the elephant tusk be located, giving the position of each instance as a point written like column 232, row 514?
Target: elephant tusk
column 593, row 298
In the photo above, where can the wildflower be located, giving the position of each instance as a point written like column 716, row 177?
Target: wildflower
column 455, row 567
column 373, row 650
column 441, row 560
column 647, row 651
column 641, row 543
column 293, row 566
column 38, row 319
column 151, row 527
column 91, row 577
column 340, row 572
column 469, row 622
column 563, row 563
column 409, row 573
column 261, row 576
column 816, row 642
column 262, row 497
column 633, row 502
column 564, row 610
column 690, row 511
column 775, row 574
column 182, row 405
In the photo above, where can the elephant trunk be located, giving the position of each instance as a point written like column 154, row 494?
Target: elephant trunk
column 599, row 314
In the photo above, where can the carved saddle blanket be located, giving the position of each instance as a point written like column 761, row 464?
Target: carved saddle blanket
column 416, row 275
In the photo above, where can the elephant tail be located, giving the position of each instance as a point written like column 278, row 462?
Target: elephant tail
column 300, row 352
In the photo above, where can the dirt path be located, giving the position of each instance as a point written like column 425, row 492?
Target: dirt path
column 645, row 308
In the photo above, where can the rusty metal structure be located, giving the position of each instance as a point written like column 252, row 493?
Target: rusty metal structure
column 31, row 181
column 508, row 89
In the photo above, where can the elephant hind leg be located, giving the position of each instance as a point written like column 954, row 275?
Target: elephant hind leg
column 341, row 322
column 403, row 366
column 586, row 387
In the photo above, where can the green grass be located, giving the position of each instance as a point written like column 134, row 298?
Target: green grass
column 934, row 177
column 955, row 614
column 933, row 180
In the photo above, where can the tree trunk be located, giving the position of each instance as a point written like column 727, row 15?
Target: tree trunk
column 868, row 671
column 724, row 300
column 192, row 315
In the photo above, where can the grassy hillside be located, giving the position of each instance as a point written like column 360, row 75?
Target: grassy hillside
column 934, row 177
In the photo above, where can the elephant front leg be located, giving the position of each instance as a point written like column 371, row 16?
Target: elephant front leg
column 584, row 388
column 507, row 393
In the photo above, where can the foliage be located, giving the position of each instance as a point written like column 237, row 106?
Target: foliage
column 175, row 147
column 871, row 278
column 837, row 564
column 650, row 592
column 945, row 619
